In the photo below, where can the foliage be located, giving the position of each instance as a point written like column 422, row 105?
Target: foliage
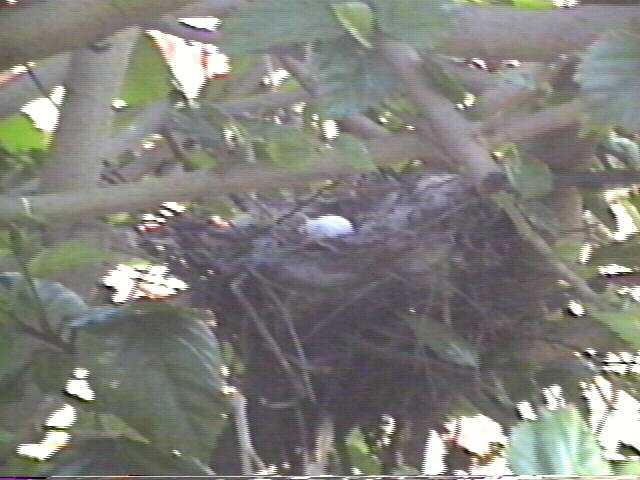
column 607, row 76
column 287, row 21
column 157, row 370
column 148, row 76
column 558, row 444
column 352, row 79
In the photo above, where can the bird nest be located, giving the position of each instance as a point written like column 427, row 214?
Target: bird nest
column 399, row 317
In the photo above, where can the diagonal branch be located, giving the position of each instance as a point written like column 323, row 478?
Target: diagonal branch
column 454, row 131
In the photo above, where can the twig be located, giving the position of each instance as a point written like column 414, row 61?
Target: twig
column 262, row 328
column 541, row 246
column 286, row 317
column 241, row 420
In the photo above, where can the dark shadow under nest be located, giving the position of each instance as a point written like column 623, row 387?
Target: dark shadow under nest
column 431, row 300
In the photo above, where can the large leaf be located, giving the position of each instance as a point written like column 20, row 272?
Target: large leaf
column 351, row 79
column 420, row 23
column 148, row 76
column 158, row 368
column 560, row 443
column 122, row 456
column 18, row 134
column 279, row 22
column 608, row 76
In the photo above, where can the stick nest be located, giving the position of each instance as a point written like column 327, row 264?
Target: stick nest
column 399, row 318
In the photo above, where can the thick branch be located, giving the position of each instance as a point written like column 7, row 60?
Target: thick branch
column 56, row 26
column 453, row 130
column 509, row 33
column 85, row 120
column 504, row 33
column 185, row 186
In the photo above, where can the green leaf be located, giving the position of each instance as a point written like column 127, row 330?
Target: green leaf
column 529, row 176
column 158, row 368
column 58, row 301
column 624, row 324
column 533, row 4
column 443, row 341
column 618, row 253
column 608, row 77
column 289, row 148
column 351, row 80
column 360, row 455
column 420, row 23
column 18, row 134
column 122, row 456
column 279, row 22
column 64, row 256
column 148, row 77
column 560, row 443
column 353, row 152
column 357, row 19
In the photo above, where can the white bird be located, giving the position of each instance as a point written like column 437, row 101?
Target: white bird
column 327, row 226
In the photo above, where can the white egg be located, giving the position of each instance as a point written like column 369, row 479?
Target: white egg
column 327, row 226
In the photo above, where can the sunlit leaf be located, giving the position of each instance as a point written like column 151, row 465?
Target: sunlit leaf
column 148, row 76
column 18, row 134
column 560, row 443
column 533, row 4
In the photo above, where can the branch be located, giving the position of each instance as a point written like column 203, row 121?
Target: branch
column 545, row 120
column 86, row 116
column 150, row 193
column 32, row 33
column 17, row 92
column 504, row 33
column 453, row 130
